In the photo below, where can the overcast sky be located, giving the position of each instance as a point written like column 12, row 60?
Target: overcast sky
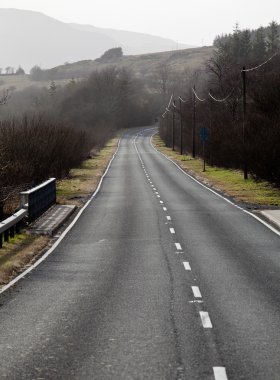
column 193, row 22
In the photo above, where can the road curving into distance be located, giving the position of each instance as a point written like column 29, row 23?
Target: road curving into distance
column 160, row 278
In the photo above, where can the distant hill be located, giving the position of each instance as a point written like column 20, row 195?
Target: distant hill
column 142, row 65
column 135, row 43
column 31, row 38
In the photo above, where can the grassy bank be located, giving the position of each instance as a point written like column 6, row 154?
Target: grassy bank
column 228, row 181
column 76, row 189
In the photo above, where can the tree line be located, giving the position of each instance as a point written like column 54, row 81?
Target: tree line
column 47, row 131
column 219, row 105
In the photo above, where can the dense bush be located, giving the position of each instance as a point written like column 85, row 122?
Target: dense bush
column 224, row 120
column 33, row 149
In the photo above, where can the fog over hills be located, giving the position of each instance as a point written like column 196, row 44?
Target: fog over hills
column 31, row 38
column 135, row 43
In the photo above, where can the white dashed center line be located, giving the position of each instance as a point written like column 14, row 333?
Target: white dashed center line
column 168, row 217
column 161, row 202
column 205, row 319
column 187, row 265
column 178, row 246
column 172, row 231
column 196, row 292
column 220, row 373
column 164, row 209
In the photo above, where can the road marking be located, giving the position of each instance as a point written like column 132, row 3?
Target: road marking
column 156, row 191
column 187, row 265
column 65, row 232
column 168, row 217
column 205, row 319
column 160, row 201
column 164, row 208
column 196, row 292
column 220, row 373
column 172, row 231
column 158, row 196
column 214, row 192
column 178, row 246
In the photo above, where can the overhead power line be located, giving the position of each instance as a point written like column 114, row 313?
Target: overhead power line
column 195, row 94
column 220, row 100
column 262, row 64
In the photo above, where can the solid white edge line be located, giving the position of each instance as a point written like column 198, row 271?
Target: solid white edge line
column 196, row 292
column 214, row 192
column 205, row 319
column 220, row 373
column 187, row 265
column 62, row 236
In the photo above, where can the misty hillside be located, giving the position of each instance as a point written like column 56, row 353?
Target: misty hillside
column 32, row 38
column 143, row 65
column 135, row 43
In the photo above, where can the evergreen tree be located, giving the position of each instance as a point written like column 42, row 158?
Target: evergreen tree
column 20, row 71
column 272, row 38
column 245, row 46
column 259, row 45
column 235, row 44
column 52, row 91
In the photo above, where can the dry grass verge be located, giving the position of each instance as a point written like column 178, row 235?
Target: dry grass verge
column 227, row 181
column 23, row 250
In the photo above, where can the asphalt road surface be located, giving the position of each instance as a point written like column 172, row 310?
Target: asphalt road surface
column 160, row 278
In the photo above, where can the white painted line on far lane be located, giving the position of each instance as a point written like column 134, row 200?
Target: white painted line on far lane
column 172, row 231
column 220, row 373
column 178, row 246
column 164, row 208
column 205, row 319
column 214, row 192
column 187, row 265
column 160, row 201
column 168, row 217
column 196, row 292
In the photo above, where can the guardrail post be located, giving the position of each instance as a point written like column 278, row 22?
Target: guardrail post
column 12, row 232
column 10, row 226
column 18, row 225
column 6, row 235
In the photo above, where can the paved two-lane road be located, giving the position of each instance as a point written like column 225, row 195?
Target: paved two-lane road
column 160, row 278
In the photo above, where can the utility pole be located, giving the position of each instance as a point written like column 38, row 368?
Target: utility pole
column 245, row 166
column 181, row 127
column 211, row 128
column 173, row 125
column 194, row 123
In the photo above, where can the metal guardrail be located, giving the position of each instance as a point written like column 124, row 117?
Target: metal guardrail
column 10, row 226
column 39, row 199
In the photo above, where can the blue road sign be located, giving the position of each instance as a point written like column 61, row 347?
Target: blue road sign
column 203, row 134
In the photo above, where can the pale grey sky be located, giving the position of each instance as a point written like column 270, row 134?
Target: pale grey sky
column 193, row 22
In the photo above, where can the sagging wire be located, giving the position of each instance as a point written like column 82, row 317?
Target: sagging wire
column 262, row 64
column 195, row 94
column 182, row 100
column 167, row 108
column 220, row 100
